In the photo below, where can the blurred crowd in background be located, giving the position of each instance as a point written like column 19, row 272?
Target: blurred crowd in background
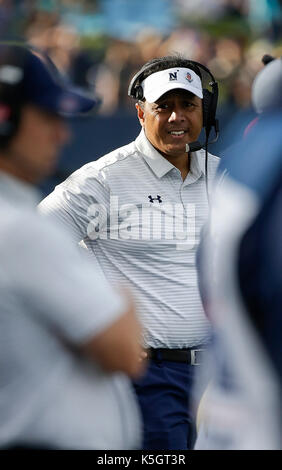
column 102, row 43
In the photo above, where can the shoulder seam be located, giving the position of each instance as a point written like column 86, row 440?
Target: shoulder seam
column 122, row 157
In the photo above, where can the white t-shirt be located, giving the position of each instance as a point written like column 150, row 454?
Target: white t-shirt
column 52, row 300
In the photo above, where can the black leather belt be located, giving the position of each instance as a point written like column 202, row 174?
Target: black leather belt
column 191, row 356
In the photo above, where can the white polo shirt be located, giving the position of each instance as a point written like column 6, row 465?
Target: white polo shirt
column 142, row 222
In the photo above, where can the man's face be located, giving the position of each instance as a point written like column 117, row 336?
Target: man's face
column 35, row 148
column 173, row 121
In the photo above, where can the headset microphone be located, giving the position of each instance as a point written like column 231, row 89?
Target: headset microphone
column 195, row 146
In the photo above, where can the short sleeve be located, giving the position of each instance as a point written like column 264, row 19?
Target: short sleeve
column 73, row 202
column 55, row 283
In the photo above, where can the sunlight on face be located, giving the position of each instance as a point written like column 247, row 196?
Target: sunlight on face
column 173, row 121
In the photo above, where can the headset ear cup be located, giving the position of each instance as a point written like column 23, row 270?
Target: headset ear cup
column 135, row 90
column 139, row 92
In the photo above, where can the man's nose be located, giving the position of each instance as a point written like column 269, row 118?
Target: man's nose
column 177, row 114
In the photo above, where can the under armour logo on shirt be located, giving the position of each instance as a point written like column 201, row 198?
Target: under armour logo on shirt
column 152, row 199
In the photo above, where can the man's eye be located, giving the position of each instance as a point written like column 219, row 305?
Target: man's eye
column 162, row 106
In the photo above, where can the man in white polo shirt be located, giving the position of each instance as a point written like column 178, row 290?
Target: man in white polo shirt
column 139, row 211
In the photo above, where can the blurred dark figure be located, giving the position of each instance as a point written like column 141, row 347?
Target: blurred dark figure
column 67, row 338
column 240, row 262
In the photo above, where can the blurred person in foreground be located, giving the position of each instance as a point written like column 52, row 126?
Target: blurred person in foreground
column 67, row 339
column 240, row 263
column 139, row 211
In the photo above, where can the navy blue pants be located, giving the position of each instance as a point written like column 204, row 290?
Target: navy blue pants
column 165, row 395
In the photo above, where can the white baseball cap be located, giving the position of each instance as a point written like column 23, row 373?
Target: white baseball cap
column 159, row 83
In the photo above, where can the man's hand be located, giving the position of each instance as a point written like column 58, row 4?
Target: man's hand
column 143, row 355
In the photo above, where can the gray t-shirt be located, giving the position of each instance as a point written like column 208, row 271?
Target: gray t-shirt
column 52, row 300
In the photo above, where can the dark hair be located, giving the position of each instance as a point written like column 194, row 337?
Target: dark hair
column 167, row 62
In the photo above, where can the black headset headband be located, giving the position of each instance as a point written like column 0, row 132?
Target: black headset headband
column 210, row 98
column 139, row 76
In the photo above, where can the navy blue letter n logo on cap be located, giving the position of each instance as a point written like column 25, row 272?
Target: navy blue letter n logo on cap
column 172, row 76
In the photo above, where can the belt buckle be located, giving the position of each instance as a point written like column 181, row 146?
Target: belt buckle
column 194, row 354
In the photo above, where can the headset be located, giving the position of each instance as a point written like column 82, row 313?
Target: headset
column 209, row 103
column 210, row 98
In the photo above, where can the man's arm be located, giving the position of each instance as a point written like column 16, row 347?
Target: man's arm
column 117, row 348
column 71, row 204
column 61, row 289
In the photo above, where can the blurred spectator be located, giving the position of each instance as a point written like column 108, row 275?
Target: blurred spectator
column 225, row 51
column 228, row 56
column 110, row 75
column 265, row 16
column 62, row 43
column 100, row 47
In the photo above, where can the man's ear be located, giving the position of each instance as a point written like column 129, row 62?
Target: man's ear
column 140, row 113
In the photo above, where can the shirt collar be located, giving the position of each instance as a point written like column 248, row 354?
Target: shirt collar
column 197, row 164
column 161, row 166
column 155, row 160
column 18, row 191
